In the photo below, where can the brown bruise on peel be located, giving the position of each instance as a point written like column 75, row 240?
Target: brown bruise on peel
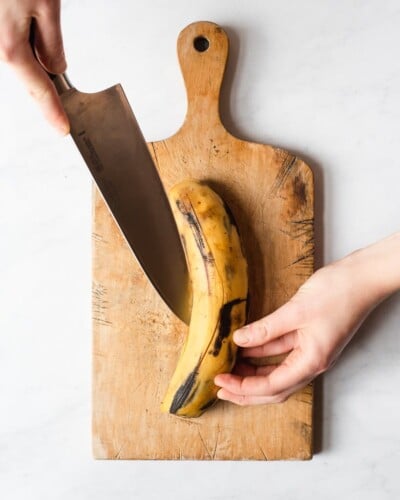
column 229, row 271
column 207, row 405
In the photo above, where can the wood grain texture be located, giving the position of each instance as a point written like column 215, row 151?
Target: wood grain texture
column 136, row 339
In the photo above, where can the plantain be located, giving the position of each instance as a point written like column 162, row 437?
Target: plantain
column 218, row 273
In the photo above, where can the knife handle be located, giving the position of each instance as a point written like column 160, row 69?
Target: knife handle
column 61, row 82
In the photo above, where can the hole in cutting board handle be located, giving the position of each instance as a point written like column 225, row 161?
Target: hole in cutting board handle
column 201, row 43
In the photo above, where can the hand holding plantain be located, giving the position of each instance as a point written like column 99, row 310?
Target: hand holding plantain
column 314, row 326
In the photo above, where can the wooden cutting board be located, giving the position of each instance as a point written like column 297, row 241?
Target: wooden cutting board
column 136, row 339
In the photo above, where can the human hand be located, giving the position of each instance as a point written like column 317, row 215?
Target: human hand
column 15, row 24
column 313, row 327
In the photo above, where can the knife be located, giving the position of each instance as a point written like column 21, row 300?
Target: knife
column 106, row 132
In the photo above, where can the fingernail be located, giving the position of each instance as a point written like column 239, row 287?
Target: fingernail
column 63, row 129
column 220, row 394
column 241, row 336
column 63, row 132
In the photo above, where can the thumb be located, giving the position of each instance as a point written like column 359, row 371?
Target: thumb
column 49, row 43
column 284, row 320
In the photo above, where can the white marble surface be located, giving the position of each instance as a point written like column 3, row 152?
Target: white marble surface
column 319, row 78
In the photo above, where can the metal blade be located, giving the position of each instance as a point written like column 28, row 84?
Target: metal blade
column 106, row 132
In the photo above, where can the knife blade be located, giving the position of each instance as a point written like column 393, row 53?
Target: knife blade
column 105, row 130
column 110, row 141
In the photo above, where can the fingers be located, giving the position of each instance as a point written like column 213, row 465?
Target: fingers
column 49, row 43
column 241, row 400
column 244, row 399
column 292, row 372
column 280, row 345
column 274, row 334
column 15, row 49
column 246, row 369
column 282, row 321
column 40, row 87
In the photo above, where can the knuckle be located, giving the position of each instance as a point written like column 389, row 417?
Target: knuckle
column 314, row 365
column 322, row 366
column 280, row 398
column 270, row 390
column 286, row 343
column 241, row 400
column 325, row 363
column 261, row 330
column 50, row 6
column 298, row 310
column 8, row 49
column 40, row 94
column 319, row 362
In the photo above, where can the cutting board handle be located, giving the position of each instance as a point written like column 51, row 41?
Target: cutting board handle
column 203, row 52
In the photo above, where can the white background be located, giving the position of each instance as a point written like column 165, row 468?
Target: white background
column 320, row 78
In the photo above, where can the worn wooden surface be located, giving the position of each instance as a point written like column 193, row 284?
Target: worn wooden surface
column 137, row 339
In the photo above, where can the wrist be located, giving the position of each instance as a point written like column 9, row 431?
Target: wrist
column 377, row 268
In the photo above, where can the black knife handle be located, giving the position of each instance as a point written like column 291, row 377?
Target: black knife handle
column 61, row 82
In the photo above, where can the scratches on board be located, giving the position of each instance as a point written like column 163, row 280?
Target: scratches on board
column 98, row 238
column 303, row 429
column 305, row 401
column 263, row 452
column 100, row 304
column 117, row 455
column 302, row 230
column 304, row 259
column 204, row 444
column 286, row 169
column 216, row 442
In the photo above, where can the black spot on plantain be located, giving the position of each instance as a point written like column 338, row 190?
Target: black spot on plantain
column 207, row 405
column 239, row 317
column 183, row 395
column 193, row 393
column 225, row 323
column 229, row 271
column 231, row 219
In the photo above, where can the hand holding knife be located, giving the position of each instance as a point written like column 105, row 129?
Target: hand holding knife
column 109, row 139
